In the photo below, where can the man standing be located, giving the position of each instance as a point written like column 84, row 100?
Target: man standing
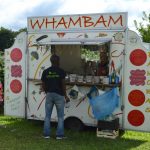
column 53, row 83
column 103, row 68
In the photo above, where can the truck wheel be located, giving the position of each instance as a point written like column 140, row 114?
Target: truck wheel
column 74, row 124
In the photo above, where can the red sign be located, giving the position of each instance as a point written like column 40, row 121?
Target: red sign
column 138, row 57
column 136, row 97
column 16, row 55
column 16, row 71
column 136, row 118
column 78, row 22
column 137, row 77
column 15, row 86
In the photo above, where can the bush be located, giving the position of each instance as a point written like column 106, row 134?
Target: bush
column 2, row 67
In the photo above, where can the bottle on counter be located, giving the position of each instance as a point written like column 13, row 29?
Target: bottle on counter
column 113, row 78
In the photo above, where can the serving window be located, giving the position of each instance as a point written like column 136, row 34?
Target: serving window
column 84, row 59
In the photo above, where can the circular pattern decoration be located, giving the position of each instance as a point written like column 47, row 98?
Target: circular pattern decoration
column 136, row 98
column 138, row 57
column 15, row 86
column 136, row 118
column 16, row 55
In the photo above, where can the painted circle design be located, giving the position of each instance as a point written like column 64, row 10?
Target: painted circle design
column 138, row 57
column 16, row 55
column 136, row 98
column 15, row 86
column 136, row 118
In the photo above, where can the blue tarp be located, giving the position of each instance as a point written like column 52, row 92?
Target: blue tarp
column 104, row 105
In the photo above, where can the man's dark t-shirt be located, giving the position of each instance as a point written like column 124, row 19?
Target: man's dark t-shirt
column 52, row 77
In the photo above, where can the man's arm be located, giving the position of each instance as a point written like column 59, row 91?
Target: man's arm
column 64, row 90
column 43, row 87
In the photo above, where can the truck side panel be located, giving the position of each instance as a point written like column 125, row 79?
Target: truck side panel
column 15, row 74
column 136, row 85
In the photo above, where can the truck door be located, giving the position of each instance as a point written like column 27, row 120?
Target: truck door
column 136, row 85
column 15, row 73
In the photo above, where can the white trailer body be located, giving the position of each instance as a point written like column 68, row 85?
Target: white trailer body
column 29, row 56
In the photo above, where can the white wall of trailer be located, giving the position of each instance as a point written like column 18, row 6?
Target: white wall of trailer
column 80, row 110
column 15, row 77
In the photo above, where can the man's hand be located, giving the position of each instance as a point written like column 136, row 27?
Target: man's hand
column 67, row 99
column 67, row 102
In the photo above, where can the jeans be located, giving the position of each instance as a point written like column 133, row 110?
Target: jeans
column 51, row 100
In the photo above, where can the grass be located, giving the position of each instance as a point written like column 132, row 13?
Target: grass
column 21, row 134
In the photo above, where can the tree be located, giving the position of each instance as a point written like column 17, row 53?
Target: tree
column 144, row 27
column 19, row 31
column 6, row 38
column 2, row 66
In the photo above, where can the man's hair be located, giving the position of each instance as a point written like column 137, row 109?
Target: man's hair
column 54, row 58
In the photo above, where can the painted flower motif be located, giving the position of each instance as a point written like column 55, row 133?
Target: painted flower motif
column 16, row 71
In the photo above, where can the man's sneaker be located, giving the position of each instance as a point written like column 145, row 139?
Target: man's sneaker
column 46, row 137
column 60, row 137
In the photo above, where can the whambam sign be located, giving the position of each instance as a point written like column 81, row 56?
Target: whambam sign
column 107, row 21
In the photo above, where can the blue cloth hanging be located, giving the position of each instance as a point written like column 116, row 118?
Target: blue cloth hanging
column 93, row 92
column 104, row 105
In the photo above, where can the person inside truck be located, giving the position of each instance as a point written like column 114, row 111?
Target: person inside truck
column 103, row 68
column 53, row 83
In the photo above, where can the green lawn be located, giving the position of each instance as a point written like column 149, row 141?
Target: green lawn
column 20, row 134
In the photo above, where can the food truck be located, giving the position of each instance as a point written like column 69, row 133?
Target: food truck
column 80, row 40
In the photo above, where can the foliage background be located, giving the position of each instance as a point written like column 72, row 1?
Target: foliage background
column 1, row 66
column 144, row 27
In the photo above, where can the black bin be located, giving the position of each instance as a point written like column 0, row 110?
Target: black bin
column 108, row 125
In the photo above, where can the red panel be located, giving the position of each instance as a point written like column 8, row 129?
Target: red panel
column 138, row 57
column 15, row 86
column 136, row 118
column 136, row 97
column 16, row 55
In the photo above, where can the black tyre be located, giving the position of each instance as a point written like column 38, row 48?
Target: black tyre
column 74, row 124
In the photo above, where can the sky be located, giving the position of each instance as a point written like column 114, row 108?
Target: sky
column 14, row 13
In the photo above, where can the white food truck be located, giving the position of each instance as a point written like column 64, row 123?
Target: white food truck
column 78, row 40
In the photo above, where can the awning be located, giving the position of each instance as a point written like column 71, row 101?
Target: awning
column 76, row 41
